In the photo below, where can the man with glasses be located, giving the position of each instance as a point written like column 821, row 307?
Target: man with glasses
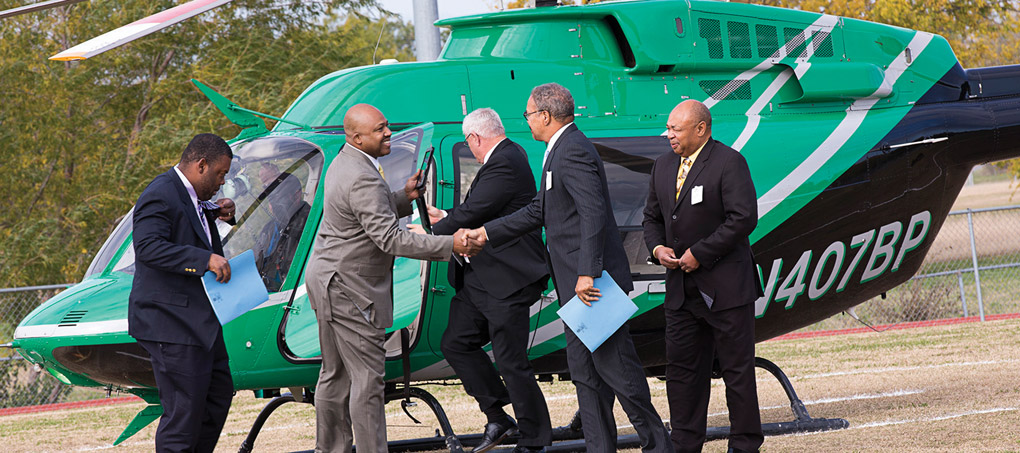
column 583, row 240
column 495, row 291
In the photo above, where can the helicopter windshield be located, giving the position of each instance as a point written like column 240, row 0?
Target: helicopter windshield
column 272, row 182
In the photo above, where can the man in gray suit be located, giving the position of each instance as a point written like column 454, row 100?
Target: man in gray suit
column 350, row 282
column 582, row 241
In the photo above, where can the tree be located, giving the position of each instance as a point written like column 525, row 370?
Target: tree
column 82, row 139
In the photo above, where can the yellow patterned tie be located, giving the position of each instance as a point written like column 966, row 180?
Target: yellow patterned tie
column 681, row 175
column 381, row 173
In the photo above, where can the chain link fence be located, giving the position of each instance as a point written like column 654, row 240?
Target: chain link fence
column 22, row 383
column 972, row 270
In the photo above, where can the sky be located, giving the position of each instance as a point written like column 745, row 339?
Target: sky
column 447, row 8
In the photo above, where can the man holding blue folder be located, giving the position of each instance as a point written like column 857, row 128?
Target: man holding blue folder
column 176, row 242
column 583, row 240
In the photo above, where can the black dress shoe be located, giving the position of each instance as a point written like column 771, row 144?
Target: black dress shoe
column 495, row 433
column 737, row 450
column 523, row 449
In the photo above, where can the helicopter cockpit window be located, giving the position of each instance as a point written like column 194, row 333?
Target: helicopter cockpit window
column 272, row 181
column 399, row 164
column 112, row 246
column 628, row 163
column 468, row 167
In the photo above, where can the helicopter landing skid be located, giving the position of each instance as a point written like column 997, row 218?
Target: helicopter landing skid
column 446, row 440
column 568, row 438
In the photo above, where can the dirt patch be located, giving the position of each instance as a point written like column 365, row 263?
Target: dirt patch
column 950, row 388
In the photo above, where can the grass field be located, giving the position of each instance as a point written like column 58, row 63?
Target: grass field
column 950, row 388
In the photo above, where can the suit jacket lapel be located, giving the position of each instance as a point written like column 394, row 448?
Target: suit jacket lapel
column 692, row 175
column 185, row 200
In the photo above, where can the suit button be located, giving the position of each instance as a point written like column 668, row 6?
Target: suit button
column 674, row 217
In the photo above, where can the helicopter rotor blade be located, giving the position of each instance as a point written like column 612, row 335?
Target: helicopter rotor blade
column 36, row 7
column 137, row 29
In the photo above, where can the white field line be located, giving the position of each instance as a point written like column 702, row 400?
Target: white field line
column 895, row 369
column 917, row 420
column 857, row 397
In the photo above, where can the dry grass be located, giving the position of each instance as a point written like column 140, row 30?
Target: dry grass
column 951, row 388
column 987, row 195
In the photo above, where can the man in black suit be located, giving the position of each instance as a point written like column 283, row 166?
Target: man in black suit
column 701, row 201
column 169, row 314
column 495, row 290
column 583, row 240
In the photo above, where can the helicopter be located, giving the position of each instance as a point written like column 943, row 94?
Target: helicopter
column 858, row 135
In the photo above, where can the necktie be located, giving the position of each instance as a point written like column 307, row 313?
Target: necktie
column 681, row 175
column 202, row 219
column 381, row 173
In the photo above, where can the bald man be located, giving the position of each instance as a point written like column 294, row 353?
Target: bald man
column 350, row 282
column 701, row 209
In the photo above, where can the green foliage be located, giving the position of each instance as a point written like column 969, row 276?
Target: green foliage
column 82, row 139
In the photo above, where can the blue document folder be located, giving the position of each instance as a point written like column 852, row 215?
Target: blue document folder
column 594, row 324
column 243, row 292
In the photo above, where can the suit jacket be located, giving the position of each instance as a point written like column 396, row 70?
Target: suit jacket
column 502, row 185
column 168, row 302
column 358, row 237
column 716, row 229
column 580, row 228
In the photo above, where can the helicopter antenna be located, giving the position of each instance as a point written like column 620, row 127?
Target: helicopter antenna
column 853, row 314
column 379, row 39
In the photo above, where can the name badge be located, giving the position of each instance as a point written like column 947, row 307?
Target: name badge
column 548, row 180
column 697, row 194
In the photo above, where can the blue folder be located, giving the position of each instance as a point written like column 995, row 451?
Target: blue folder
column 594, row 324
column 244, row 291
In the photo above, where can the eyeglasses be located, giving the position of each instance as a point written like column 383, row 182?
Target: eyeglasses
column 527, row 113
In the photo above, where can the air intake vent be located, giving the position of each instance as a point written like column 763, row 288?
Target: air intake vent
column 711, row 31
column 72, row 318
column 740, row 39
column 726, row 90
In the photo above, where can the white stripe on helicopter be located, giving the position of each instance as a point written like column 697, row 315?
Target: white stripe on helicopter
column 824, row 24
column 117, row 325
column 819, row 30
column 549, row 331
column 855, row 115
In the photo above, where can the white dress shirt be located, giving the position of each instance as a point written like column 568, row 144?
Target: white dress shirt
column 552, row 142
column 194, row 203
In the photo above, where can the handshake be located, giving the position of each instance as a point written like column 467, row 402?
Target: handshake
column 465, row 242
column 469, row 242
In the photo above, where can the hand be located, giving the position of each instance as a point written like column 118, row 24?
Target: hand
column 464, row 246
column 219, row 266
column 688, row 263
column 667, row 257
column 226, row 211
column 586, row 290
column 477, row 236
column 411, row 187
column 435, row 214
column 415, row 228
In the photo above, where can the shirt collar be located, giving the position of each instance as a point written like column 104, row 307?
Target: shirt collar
column 694, row 156
column 489, row 154
column 370, row 158
column 187, row 185
column 556, row 136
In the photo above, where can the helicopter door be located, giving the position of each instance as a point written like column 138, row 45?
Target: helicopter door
column 300, row 334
